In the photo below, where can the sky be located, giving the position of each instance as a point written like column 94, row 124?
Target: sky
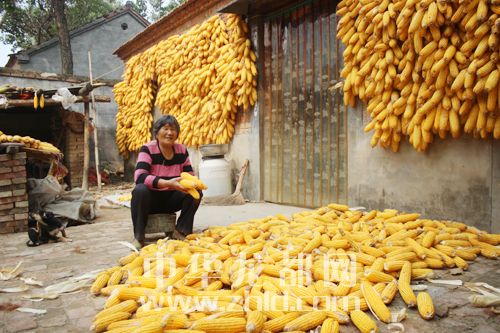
column 4, row 52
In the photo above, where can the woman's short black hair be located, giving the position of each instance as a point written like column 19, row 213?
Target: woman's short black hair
column 165, row 120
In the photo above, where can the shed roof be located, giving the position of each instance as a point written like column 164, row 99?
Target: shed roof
column 170, row 24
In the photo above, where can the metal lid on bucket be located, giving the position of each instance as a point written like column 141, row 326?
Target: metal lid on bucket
column 213, row 150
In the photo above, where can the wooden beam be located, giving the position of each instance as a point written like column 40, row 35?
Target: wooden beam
column 85, row 184
column 16, row 103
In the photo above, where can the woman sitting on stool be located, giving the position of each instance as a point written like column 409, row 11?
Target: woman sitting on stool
column 157, row 190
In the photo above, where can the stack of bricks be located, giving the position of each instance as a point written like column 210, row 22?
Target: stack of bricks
column 13, row 196
column 73, row 154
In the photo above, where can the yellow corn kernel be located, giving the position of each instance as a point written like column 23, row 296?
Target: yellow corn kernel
column 125, row 306
column 364, row 323
column 128, row 258
column 115, row 278
column 307, row 321
column 377, row 276
column 101, row 324
column 277, row 324
column 330, row 325
column 404, row 285
column 134, row 293
column 425, row 305
column 466, row 254
column 389, row 292
column 375, row 302
column 255, row 321
column 434, row 263
column 421, row 273
column 222, row 325
column 112, row 300
column 100, row 282
column 461, row 263
column 107, row 291
column 393, row 265
column 428, row 239
column 154, row 327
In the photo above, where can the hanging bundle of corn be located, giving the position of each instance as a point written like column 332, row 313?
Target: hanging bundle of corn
column 423, row 68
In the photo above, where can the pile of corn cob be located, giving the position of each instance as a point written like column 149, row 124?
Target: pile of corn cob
column 423, row 68
column 29, row 142
column 275, row 260
column 202, row 77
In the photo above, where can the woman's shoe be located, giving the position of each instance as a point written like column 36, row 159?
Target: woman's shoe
column 177, row 235
column 138, row 244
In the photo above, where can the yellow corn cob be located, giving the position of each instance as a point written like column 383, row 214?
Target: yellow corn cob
column 115, row 278
column 100, row 282
column 134, row 293
column 404, row 285
column 223, row 325
column 425, row 305
column 330, row 325
column 107, row 291
column 277, row 324
column 306, row 322
column 389, row 292
column 129, row 306
column 255, row 321
column 101, row 324
column 376, row 276
column 112, row 300
column 155, row 327
column 375, row 302
column 128, row 258
column 428, row 239
column 364, row 323
column 421, row 273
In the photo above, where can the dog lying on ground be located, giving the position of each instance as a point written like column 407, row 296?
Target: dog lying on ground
column 44, row 227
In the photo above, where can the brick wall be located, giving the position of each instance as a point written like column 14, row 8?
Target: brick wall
column 73, row 152
column 13, row 196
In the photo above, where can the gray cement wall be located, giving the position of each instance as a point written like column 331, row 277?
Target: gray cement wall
column 454, row 179
column 106, row 123
column 101, row 41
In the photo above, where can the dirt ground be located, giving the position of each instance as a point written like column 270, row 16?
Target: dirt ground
column 95, row 246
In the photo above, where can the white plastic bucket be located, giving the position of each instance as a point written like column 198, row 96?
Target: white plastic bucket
column 216, row 174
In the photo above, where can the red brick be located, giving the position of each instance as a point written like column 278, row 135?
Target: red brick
column 21, row 180
column 11, row 175
column 18, row 168
column 5, row 194
column 21, row 204
column 5, row 182
column 13, row 199
column 21, row 216
column 14, row 162
column 7, row 206
column 6, row 230
column 6, row 218
column 19, row 210
column 5, row 169
column 19, row 192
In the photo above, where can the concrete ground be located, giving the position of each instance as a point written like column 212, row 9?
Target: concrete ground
column 95, row 246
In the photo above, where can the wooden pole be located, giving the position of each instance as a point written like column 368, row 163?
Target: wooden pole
column 94, row 117
column 85, row 184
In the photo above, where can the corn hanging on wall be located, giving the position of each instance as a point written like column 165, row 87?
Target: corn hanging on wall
column 424, row 69
column 203, row 76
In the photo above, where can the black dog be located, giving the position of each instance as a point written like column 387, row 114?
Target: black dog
column 44, row 227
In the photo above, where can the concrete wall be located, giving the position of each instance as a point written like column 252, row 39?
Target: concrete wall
column 454, row 179
column 106, row 123
column 101, row 41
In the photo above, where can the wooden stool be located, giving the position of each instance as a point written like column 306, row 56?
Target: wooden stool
column 161, row 223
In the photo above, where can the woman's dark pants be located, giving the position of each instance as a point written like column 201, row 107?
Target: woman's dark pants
column 145, row 202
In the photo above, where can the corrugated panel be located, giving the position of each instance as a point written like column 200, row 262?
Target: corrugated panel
column 304, row 121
